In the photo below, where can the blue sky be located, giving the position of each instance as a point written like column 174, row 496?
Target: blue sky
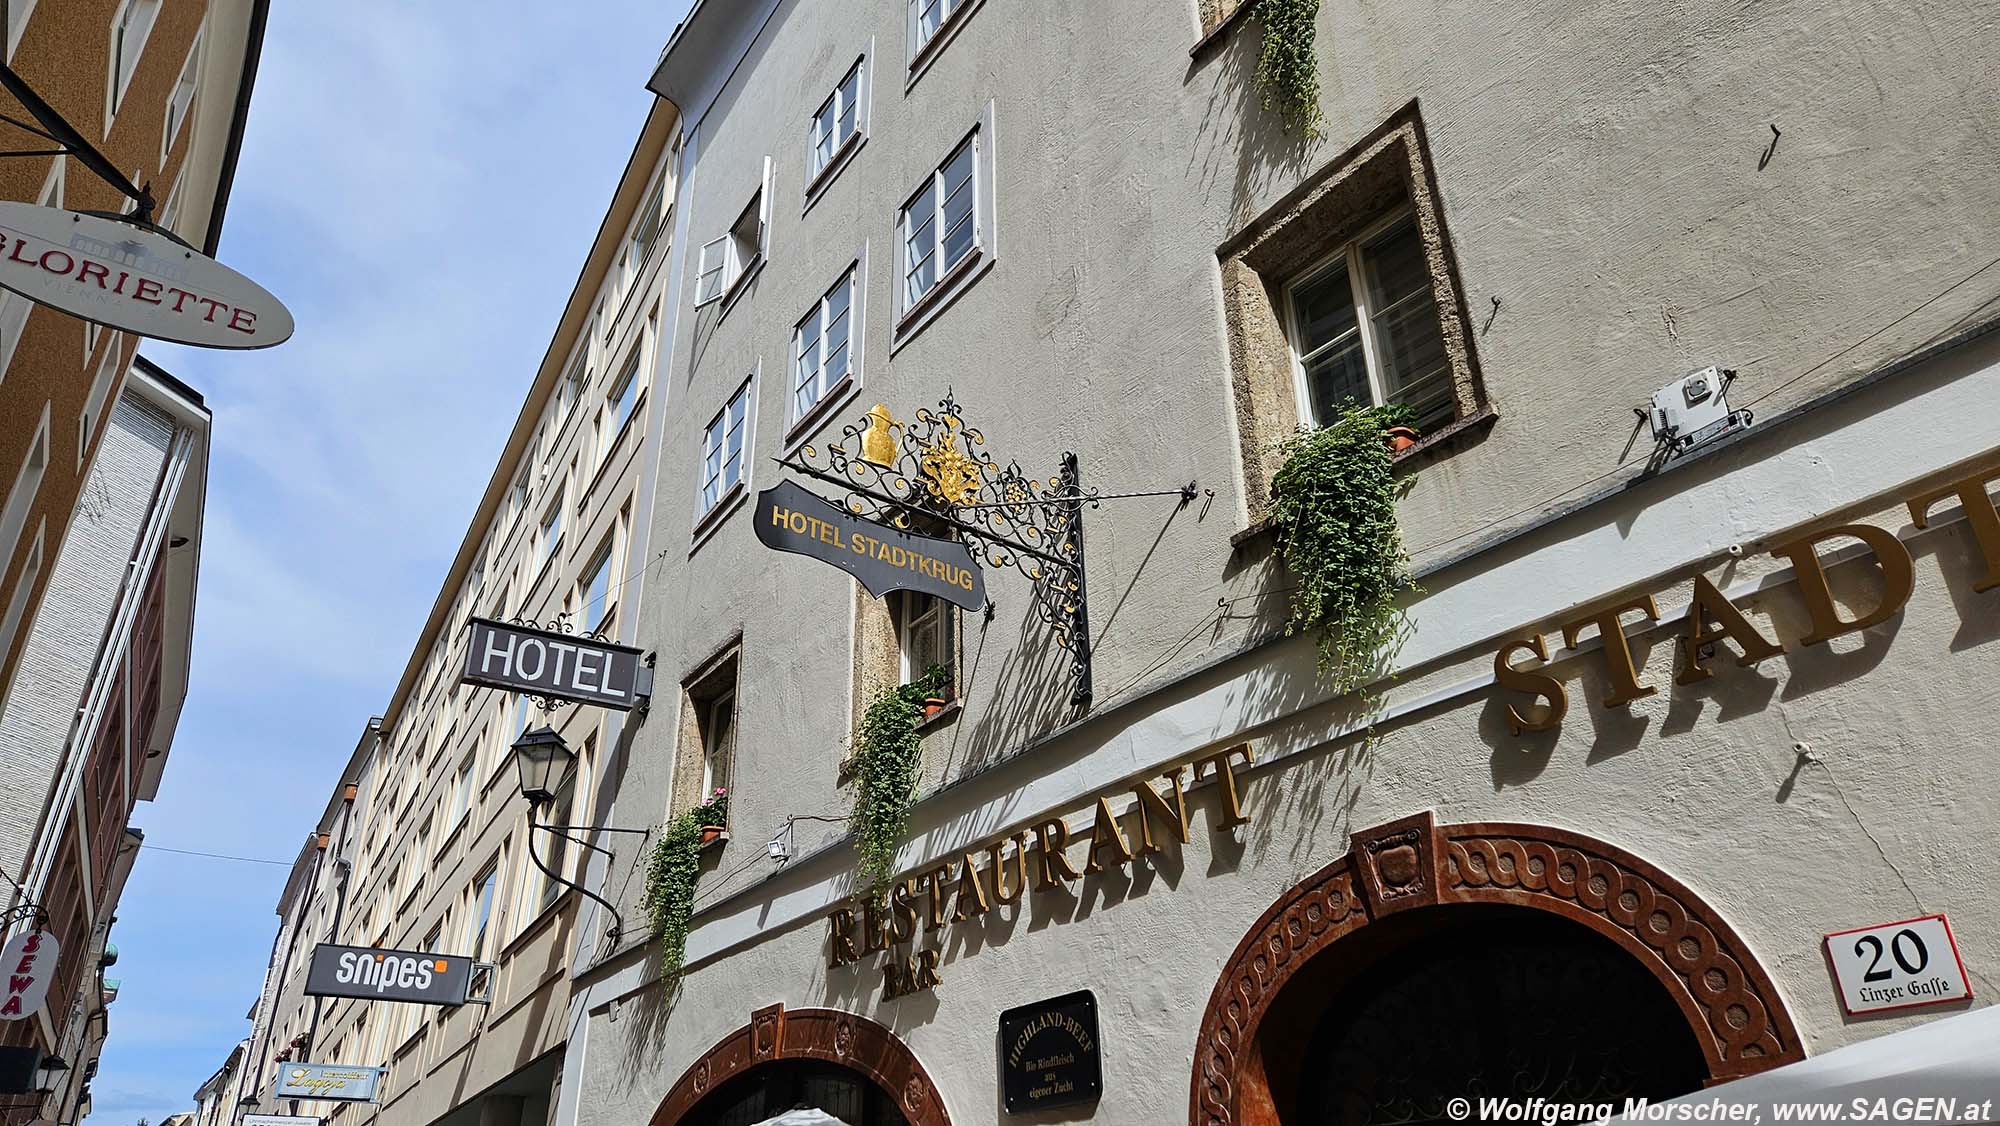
column 419, row 183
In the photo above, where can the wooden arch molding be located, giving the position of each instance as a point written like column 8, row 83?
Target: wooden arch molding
column 828, row 1035
column 1737, row 1016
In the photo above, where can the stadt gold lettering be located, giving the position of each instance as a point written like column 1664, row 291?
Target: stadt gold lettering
column 1536, row 683
column 1980, row 515
column 1618, row 670
column 1730, row 623
column 1898, row 579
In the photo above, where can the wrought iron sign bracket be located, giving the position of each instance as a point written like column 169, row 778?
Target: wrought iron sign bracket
column 932, row 474
column 54, row 127
column 24, row 912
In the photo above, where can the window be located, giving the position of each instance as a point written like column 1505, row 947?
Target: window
column 619, row 400
column 418, row 860
column 17, row 604
column 718, row 743
column 20, row 498
column 1365, row 329
column 944, row 229
column 927, row 18
column 820, row 355
column 646, row 229
column 180, row 102
column 726, row 261
column 576, row 378
column 100, row 390
column 482, row 912
column 461, row 791
column 928, row 633
column 594, row 589
column 722, row 450
column 555, row 845
column 551, row 535
column 838, row 121
column 18, row 12
column 520, row 717
column 130, row 26
column 519, row 502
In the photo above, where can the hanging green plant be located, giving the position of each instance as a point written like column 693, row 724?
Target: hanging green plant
column 1288, row 66
column 671, row 873
column 1334, row 504
column 886, row 754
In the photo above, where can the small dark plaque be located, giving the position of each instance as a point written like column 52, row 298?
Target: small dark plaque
column 1048, row 1053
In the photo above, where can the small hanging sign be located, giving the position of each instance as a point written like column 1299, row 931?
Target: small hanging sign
column 29, row 960
column 133, row 279
column 792, row 518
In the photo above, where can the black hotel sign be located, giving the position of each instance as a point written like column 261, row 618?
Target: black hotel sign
column 562, row 666
column 793, row 518
column 1048, row 1053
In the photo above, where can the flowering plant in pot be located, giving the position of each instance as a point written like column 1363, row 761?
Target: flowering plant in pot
column 713, row 815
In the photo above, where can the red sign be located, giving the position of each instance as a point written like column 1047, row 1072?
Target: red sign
column 29, row 961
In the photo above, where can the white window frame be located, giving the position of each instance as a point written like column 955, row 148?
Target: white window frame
column 22, row 493
column 14, row 308
column 18, row 12
column 481, row 900
column 714, row 439
column 725, row 263
column 1349, row 257
column 604, row 562
column 931, row 617
column 115, row 83
column 850, row 279
column 94, row 406
column 712, row 750
column 24, row 585
column 179, row 109
column 924, row 49
column 913, row 314
column 820, row 173
column 630, row 376
column 549, row 534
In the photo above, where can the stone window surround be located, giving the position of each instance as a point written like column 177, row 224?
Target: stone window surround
column 719, row 672
column 1386, row 169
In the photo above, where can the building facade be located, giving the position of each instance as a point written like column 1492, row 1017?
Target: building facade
column 161, row 88
column 425, row 844
column 86, row 733
column 1563, row 833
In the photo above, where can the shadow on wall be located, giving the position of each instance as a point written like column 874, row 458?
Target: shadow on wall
column 1236, row 121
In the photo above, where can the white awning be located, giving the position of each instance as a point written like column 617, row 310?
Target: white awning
column 1952, row 1058
column 803, row 1118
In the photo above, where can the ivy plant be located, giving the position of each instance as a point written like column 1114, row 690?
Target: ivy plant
column 671, row 873
column 1287, row 64
column 1333, row 502
column 886, row 760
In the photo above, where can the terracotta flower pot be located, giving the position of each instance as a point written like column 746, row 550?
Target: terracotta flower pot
column 934, row 705
column 711, row 833
column 1400, row 438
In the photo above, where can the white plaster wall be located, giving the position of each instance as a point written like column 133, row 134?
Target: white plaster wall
column 1598, row 171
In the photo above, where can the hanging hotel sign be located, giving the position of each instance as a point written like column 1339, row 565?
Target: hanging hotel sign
column 134, row 279
column 334, row 1081
column 553, row 665
column 1897, row 965
column 792, row 518
column 388, row 975
column 1712, row 618
column 29, row 961
column 1041, row 856
column 1048, row 1053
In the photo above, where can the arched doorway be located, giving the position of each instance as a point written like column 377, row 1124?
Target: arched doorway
column 1493, row 958
column 847, row 1065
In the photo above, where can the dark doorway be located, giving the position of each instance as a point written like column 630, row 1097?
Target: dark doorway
column 1471, row 1001
column 769, row 1090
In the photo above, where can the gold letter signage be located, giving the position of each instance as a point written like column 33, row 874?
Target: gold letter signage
column 954, row 890
column 1708, row 604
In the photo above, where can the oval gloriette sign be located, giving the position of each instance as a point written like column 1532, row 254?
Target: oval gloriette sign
column 29, row 962
column 135, row 280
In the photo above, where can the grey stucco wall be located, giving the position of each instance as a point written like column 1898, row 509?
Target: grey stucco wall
column 1598, row 168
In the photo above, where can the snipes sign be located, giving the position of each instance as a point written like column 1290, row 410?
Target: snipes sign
column 133, row 279
column 388, row 975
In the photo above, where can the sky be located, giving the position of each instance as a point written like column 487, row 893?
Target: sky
column 419, row 184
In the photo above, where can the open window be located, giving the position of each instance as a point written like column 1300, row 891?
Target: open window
column 706, row 759
column 730, row 259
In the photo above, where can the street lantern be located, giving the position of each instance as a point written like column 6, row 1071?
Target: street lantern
column 546, row 764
